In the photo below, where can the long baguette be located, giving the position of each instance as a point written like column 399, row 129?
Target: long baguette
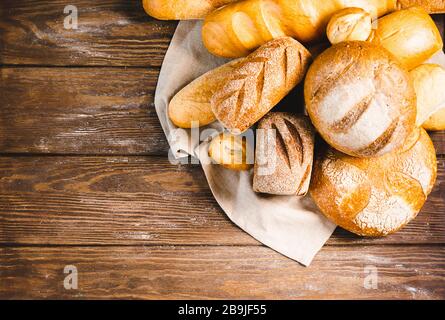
column 181, row 9
column 431, row 6
column 240, row 27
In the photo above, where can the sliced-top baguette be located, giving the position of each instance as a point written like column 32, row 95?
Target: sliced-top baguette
column 284, row 154
column 262, row 80
column 191, row 106
column 181, row 9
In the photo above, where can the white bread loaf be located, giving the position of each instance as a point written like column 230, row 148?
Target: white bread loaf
column 360, row 99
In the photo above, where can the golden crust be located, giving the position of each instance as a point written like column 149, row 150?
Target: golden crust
column 259, row 83
column 410, row 35
column 375, row 197
column 360, row 99
column 191, row 106
column 181, row 9
column 231, row 152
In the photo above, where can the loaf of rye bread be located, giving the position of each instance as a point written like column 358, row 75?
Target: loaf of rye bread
column 284, row 154
column 262, row 80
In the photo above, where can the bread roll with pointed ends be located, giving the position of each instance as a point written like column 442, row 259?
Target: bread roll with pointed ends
column 181, row 9
column 241, row 27
column 284, row 154
column 375, row 197
column 349, row 24
column 262, row 80
column 232, row 152
column 360, row 99
column 410, row 35
column 429, row 83
column 190, row 107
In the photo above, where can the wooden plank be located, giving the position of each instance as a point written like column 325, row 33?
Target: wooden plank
column 79, row 111
column 408, row 272
column 110, row 33
column 143, row 200
column 86, row 111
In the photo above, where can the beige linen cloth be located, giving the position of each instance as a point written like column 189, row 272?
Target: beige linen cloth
column 290, row 225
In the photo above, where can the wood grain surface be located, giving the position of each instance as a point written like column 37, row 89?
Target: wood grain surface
column 143, row 200
column 85, row 180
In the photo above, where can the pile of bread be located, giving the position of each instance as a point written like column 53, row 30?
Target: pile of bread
column 368, row 94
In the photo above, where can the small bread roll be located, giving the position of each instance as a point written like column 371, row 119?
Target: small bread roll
column 349, row 24
column 429, row 83
column 284, row 154
column 231, row 152
column 190, row 107
column 411, row 35
column 375, row 197
column 259, row 83
column 360, row 99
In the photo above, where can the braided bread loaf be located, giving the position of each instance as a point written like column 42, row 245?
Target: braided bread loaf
column 284, row 154
column 375, row 197
column 360, row 99
column 262, row 80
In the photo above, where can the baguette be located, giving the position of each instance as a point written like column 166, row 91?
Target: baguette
column 190, row 107
column 181, row 9
column 411, row 35
column 284, row 154
column 375, row 197
column 262, row 80
column 240, row 27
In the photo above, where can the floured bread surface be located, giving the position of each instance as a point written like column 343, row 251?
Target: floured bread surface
column 284, row 154
column 259, row 83
column 375, row 197
column 360, row 99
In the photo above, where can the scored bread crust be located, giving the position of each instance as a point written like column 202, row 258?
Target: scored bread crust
column 375, row 197
column 260, row 82
column 191, row 105
column 284, row 156
column 360, row 99
column 431, row 6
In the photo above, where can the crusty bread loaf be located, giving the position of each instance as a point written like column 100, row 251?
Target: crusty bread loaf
column 375, row 197
column 284, row 154
column 360, row 99
column 262, row 80
column 410, row 35
column 349, row 24
column 231, row 152
column 431, row 6
column 181, row 9
column 429, row 83
column 190, row 107
column 240, row 27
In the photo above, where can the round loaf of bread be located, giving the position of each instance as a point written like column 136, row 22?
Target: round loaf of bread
column 378, row 196
column 360, row 99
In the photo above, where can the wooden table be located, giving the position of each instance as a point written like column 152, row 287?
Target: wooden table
column 85, row 181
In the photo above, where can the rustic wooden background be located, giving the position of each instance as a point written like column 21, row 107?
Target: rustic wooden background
column 85, row 181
